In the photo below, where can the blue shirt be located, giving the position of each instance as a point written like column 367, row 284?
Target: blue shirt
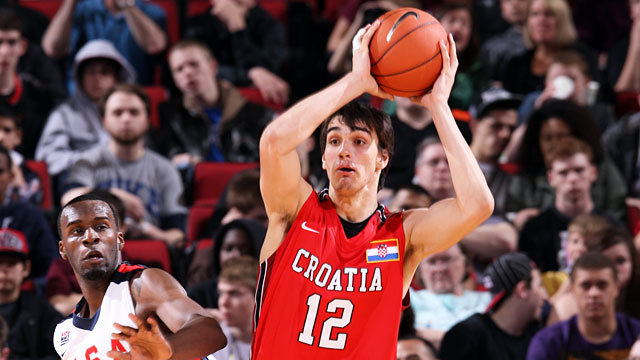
column 91, row 20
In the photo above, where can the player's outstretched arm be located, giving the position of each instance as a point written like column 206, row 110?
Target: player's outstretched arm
column 283, row 189
column 192, row 334
column 446, row 222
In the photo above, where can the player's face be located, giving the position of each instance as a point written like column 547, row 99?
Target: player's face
column 12, row 47
column 595, row 292
column 619, row 254
column 125, row 118
column 458, row 23
column 492, row 133
column 414, row 349
column 442, row 273
column 433, row 172
column 10, row 135
column 90, row 240
column 235, row 302
column 572, row 178
column 542, row 23
column 352, row 158
column 13, row 270
column 192, row 70
column 98, row 76
column 236, row 243
column 552, row 132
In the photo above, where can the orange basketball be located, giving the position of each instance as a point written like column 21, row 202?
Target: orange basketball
column 404, row 52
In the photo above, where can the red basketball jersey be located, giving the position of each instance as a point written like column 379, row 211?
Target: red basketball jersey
column 323, row 296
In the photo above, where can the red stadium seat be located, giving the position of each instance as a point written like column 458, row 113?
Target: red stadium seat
column 252, row 94
column 197, row 7
column 209, row 179
column 151, row 253
column 47, row 7
column 197, row 221
column 40, row 168
column 157, row 94
column 204, row 244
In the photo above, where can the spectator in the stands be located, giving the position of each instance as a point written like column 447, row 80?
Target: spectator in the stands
column 444, row 301
column 248, row 42
column 20, row 219
column 30, row 318
column 497, row 50
column 209, row 120
column 502, row 332
column 548, row 126
column 135, row 27
column 471, row 77
column 75, row 125
column 22, row 93
column 146, row 182
column 596, row 332
column 25, row 184
column 548, row 29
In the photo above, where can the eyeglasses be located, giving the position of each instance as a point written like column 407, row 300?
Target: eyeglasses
column 444, row 260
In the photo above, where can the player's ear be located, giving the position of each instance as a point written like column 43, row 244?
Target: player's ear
column 382, row 159
column 61, row 250
column 120, row 240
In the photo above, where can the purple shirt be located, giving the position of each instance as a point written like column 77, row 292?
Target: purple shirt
column 563, row 341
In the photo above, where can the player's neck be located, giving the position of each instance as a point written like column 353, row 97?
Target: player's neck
column 93, row 292
column 354, row 207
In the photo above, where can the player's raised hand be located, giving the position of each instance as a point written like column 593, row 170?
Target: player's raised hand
column 147, row 342
column 362, row 63
column 442, row 86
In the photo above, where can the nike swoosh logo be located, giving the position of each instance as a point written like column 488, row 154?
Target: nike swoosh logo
column 305, row 227
column 404, row 16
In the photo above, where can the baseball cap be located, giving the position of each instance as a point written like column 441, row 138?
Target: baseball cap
column 13, row 242
column 504, row 274
column 494, row 98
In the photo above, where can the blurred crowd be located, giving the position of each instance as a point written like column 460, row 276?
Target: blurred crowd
column 160, row 104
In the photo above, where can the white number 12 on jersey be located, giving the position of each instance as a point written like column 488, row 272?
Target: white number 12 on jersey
column 313, row 302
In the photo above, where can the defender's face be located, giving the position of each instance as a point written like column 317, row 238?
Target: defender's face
column 90, row 240
column 352, row 158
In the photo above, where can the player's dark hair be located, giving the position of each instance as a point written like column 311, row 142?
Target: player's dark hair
column 10, row 21
column 88, row 197
column 132, row 89
column 593, row 261
column 354, row 114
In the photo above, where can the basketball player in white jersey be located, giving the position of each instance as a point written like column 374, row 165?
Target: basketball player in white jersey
column 127, row 311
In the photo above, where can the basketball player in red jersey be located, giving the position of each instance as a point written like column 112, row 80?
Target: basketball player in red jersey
column 336, row 266
column 127, row 311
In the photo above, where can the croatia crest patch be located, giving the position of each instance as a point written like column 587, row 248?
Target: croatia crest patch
column 383, row 251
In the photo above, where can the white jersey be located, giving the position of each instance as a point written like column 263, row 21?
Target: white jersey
column 79, row 338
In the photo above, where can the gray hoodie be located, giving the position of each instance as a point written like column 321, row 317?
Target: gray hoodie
column 74, row 126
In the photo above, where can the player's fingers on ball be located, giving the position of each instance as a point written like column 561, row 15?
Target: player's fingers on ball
column 153, row 323
column 366, row 39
